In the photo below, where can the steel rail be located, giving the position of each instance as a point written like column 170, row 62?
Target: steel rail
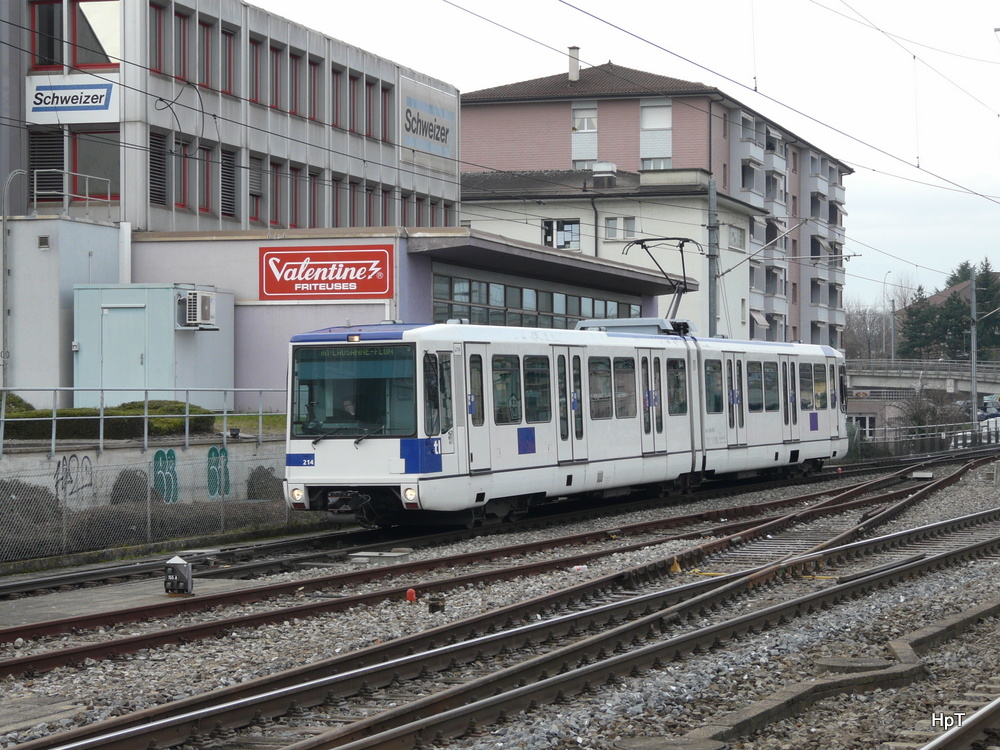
column 646, row 624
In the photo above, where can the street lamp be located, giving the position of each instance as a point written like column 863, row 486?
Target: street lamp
column 885, row 296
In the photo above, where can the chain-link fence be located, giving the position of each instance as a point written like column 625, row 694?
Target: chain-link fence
column 83, row 504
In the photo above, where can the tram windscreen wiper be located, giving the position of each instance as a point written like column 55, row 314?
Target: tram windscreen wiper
column 326, row 435
column 369, row 434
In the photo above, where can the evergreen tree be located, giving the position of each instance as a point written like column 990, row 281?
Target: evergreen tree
column 962, row 273
column 987, row 315
column 951, row 334
column 919, row 329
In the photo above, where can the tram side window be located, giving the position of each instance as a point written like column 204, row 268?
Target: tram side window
column 447, row 400
column 755, row 387
column 819, row 385
column 432, row 395
column 772, row 398
column 625, row 404
column 507, row 388
column 805, row 387
column 599, row 374
column 714, row 402
column 843, row 387
column 537, row 389
column 677, row 395
column 476, row 402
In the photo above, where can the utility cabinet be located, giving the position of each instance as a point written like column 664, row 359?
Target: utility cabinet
column 164, row 340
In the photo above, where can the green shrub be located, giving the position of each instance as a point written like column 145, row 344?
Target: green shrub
column 120, row 422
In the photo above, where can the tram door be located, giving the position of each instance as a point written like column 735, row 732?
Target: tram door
column 571, row 440
column 652, row 392
column 735, row 414
column 833, row 399
column 789, row 400
column 477, row 407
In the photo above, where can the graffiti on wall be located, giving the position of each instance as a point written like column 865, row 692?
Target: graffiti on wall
column 165, row 475
column 218, row 473
column 72, row 476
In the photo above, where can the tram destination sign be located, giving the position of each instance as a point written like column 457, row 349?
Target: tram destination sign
column 326, row 272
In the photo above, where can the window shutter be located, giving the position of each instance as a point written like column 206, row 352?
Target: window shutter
column 158, row 169
column 255, row 179
column 45, row 151
column 228, row 184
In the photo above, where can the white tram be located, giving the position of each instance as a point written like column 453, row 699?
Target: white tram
column 459, row 424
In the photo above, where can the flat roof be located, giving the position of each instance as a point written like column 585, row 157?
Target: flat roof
column 465, row 247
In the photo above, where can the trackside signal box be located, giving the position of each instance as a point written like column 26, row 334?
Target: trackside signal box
column 179, row 580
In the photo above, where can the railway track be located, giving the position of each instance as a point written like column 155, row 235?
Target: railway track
column 633, row 632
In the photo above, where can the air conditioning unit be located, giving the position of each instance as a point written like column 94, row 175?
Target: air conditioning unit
column 200, row 309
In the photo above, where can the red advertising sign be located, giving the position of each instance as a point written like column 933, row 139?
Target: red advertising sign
column 338, row 272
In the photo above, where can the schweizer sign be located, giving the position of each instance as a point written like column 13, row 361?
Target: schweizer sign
column 340, row 272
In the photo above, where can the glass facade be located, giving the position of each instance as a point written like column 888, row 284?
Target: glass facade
column 491, row 303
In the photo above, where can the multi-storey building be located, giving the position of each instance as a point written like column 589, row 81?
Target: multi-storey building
column 183, row 146
column 604, row 157
column 211, row 115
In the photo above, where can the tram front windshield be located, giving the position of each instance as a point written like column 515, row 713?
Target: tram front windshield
column 348, row 391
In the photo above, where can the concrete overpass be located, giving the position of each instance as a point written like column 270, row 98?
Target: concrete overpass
column 891, row 380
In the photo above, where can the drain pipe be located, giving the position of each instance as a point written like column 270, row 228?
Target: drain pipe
column 4, row 352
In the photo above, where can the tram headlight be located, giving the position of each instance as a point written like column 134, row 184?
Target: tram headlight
column 410, row 498
column 297, row 498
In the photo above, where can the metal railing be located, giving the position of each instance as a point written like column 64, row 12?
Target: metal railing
column 59, row 408
column 66, row 196
column 902, row 440
column 916, row 367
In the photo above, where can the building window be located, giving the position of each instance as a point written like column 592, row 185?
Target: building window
column 561, row 234
column 227, row 183
column 336, row 198
column 313, row 220
column 737, row 237
column 204, row 54
column 253, row 71
column 492, row 303
column 45, row 163
column 336, row 78
column 180, row 46
column 96, row 33
column 255, row 188
column 295, row 84
column 749, row 175
column 276, row 177
column 584, row 164
column 315, row 92
column 619, row 227
column 204, row 179
column 370, row 103
column 96, row 158
column 47, row 34
column 155, row 38
column 353, row 103
column 585, row 119
column 386, row 129
column 158, row 169
column 294, row 187
column 275, row 75
column 655, row 117
column 181, row 153
column 226, row 58
column 649, row 165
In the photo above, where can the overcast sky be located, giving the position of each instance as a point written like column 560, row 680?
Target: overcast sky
column 907, row 96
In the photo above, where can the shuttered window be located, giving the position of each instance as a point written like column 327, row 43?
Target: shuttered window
column 227, row 183
column 158, row 169
column 45, row 151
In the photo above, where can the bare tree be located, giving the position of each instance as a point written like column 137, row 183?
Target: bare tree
column 866, row 332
